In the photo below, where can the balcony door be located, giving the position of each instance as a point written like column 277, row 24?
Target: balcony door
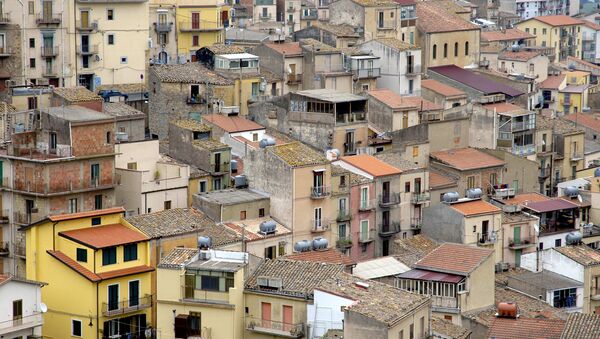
column 85, row 19
column 288, row 313
column 318, row 183
column 17, row 312
column 113, row 297
column 385, row 221
column 364, row 197
column 318, row 222
column 3, row 43
column 266, row 315
column 134, row 293
column 47, row 10
column 385, row 195
column 195, row 20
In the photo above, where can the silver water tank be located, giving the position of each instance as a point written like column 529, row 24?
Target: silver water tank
column 266, row 142
column 204, row 242
column 319, row 243
column 233, row 165
column 267, row 227
column 450, row 197
column 574, row 238
column 240, row 181
column 571, row 191
column 474, row 193
column 597, row 172
column 302, row 246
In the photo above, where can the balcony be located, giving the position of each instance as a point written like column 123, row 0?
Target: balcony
column 199, row 26
column 49, row 52
column 311, row 15
column 319, row 225
column 343, row 242
column 544, row 173
column 265, row 17
column 522, row 242
column 5, row 52
column 524, row 150
column 416, row 223
column 365, row 73
column 350, row 118
column 366, row 205
column 126, row 306
column 86, row 26
column 419, row 198
column 4, row 18
column 275, row 328
column 20, row 325
column 48, row 19
column 350, row 148
column 290, row 9
column 365, row 238
column 440, row 303
column 389, row 229
column 485, row 239
column 195, row 100
column 576, row 156
column 220, row 169
column 294, row 79
column 413, row 70
column 87, row 49
column 319, row 192
column 595, row 293
column 49, row 72
column 386, row 25
column 389, row 200
column 163, row 27
column 343, row 216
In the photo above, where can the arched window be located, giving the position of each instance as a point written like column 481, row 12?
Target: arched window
column 456, row 49
column 466, row 48
column 434, row 52
column 445, row 50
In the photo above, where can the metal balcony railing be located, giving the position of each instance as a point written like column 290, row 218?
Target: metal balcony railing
column 485, row 238
column 294, row 78
column 48, row 19
column 420, row 198
column 389, row 199
column 319, row 225
column 413, row 70
column 319, row 192
column 523, row 241
column 5, row 51
column 344, row 215
column 49, row 71
column 367, row 73
column 416, row 223
column 365, row 237
column 86, row 26
column 4, row 18
column 389, row 229
column 275, row 328
column 265, row 17
column 343, row 242
column 366, row 205
column 87, row 49
column 126, row 306
column 199, row 26
column 49, row 51
column 4, row 249
column 163, row 27
column 576, row 156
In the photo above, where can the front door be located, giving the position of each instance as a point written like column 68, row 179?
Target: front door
column 518, row 258
column 266, row 315
column 287, row 318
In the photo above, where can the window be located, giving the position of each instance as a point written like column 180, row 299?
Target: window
column 407, row 187
column 132, row 165
column 123, row 60
column 32, row 43
column 214, row 281
column 527, row 30
column 557, row 242
column 217, row 184
column 445, row 50
column 109, row 256
column 32, row 103
column 167, row 205
column 410, row 86
column 565, row 298
column 31, row 7
column 411, row 331
column 534, row 30
column 73, row 205
column 261, row 212
column 130, row 252
column 195, row 40
column 401, row 334
column 81, row 255
column 75, row 324
column 543, row 31
column 434, row 52
column 254, row 136
column 364, row 230
column 163, row 39
column 456, row 49
column 270, row 252
column 254, row 89
column 17, row 312
column 415, row 151
column 134, row 293
column 32, row 63
column 110, row 14
column 202, row 187
column 466, row 48
column 493, row 179
column 364, row 197
column 111, row 39
column 95, row 174
column 422, row 326
column 98, row 201
column 96, row 221
column 242, row 215
column 471, row 182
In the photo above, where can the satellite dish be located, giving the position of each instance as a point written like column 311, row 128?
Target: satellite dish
column 43, row 308
column 579, row 198
column 536, row 227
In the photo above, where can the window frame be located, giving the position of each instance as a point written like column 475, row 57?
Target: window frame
column 84, row 255
column 106, row 257
column 129, row 254
column 80, row 335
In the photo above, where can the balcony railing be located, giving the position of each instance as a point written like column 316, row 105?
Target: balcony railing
column 265, row 17
column 576, row 156
column 544, row 173
column 485, row 238
column 366, row 237
column 48, row 52
column 349, row 118
column 275, row 328
column 367, row 73
column 319, row 192
column 23, row 323
column 419, row 198
column 343, row 242
column 164, row 27
column 294, row 79
column 389, row 229
column 48, row 19
column 344, row 215
column 389, row 199
column 199, row 26
column 87, row 49
column 49, row 71
column 126, row 306
column 386, row 24
column 366, row 205
column 4, row 18
column 416, row 223
column 444, row 302
column 195, row 100
column 290, row 9
column 319, row 225
column 522, row 242
column 87, row 26
column 5, row 51
column 413, row 70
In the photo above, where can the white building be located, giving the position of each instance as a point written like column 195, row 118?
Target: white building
column 528, row 9
column 21, row 308
column 148, row 181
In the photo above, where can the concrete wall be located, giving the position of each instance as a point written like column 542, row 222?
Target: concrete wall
column 442, row 223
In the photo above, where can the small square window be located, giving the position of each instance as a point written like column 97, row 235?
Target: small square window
column 130, row 252
column 76, row 328
column 167, row 205
column 31, row 42
column 32, row 63
column 110, row 14
column 123, row 60
column 111, row 39
column 81, row 255
column 96, row 221
column 242, row 215
column 261, row 212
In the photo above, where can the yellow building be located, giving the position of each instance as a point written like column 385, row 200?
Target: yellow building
column 98, row 274
column 574, row 97
column 110, row 43
column 561, row 32
column 199, row 24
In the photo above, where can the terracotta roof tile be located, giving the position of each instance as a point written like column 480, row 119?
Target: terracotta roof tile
column 75, row 266
column 192, row 125
column 104, row 236
column 374, row 3
column 506, row 328
column 581, row 254
column 76, row 94
column 505, row 35
column 189, row 73
column 396, row 101
column 123, row 88
column 524, row 198
column 435, row 18
column 341, row 30
column 465, row 159
column 121, row 109
column 221, row 49
column 553, row 204
column 475, row 207
column 328, row 256
column 286, row 48
column 454, row 258
column 441, row 88
column 210, row 144
column 518, row 55
column 553, row 81
column 504, row 107
column 438, row 180
column 125, row 272
column 396, row 44
column 587, row 120
column 96, row 213
column 448, row 330
column 582, row 326
column 371, row 165
column 558, row 125
column 232, row 124
column 297, row 154
column 317, row 46
column 558, row 20
column 177, row 257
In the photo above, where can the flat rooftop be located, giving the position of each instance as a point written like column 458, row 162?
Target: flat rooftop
column 232, row 196
column 76, row 113
column 329, row 95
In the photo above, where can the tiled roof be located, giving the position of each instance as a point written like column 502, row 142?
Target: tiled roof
column 286, row 48
column 411, row 250
column 475, row 207
column 192, row 125
column 210, row 144
column 378, row 301
column 591, row 25
column 524, row 198
column 371, row 165
column 250, row 229
column 448, row 329
column 96, row 213
column 341, row 30
column 374, row 3
column 125, row 271
column 299, row 278
column 4, row 278
column 507, row 328
column 317, row 46
column 587, row 120
column 505, row 35
column 221, row 49
column 177, row 257
column 553, row 81
column 328, row 256
column 435, row 18
column 560, row 126
column 232, row 124
column 396, row 101
column 178, row 221
column 396, row 44
column 554, row 204
column 119, row 109
column 441, row 88
column 454, row 258
column 439, row 180
column 297, row 154
column 98, row 237
column 558, row 20
column 582, row 326
column 76, row 94
column 356, row 179
column 395, row 159
column 465, row 159
column 189, row 73
column 74, row 265
column 123, row 88
column 518, row 55
column 581, row 254
column 475, row 81
column 574, row 89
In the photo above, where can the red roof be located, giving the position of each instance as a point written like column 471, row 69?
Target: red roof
column 587, row 120
column 232, row 124
column 439, row 180
column 475, row 207
column 475, row 81
column 524, row 198
column 509, row 34
column 431, row 276
column 553, row 81
column 532, row 328
column 504, row 107
column 549, row 205
column 558, row 20
column 287, row 48
column 98, row 237
column 454, row 258
column 465, row 159
column 441, row 88
column 591, row 25
column 328, row 256
column 61, row 217
column 371, row 165
column 396, row 101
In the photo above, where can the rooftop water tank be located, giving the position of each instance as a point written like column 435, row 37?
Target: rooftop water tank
column 234, row 165
column 266, row 142
column 319, row 243
column 474, row 193
column 204, row 242
column 574, row 238
column 302, row 246
column 597, row 172
column 507, row 310
column 240, row 181
column 450, row 197
column 267, row 227
column 571, row 191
